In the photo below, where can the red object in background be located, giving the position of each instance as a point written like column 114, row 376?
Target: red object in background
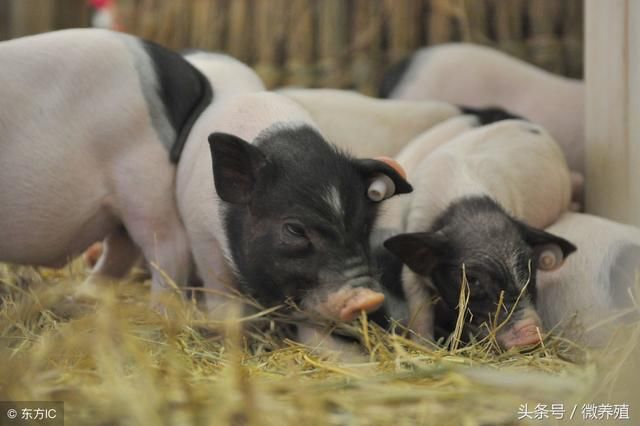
column 104, row 14
column 100, row 4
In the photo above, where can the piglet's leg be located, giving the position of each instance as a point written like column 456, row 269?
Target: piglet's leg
column 167, row 251
column 116, row 255
column 216, row 275
column 145, row 201
column 119, row 253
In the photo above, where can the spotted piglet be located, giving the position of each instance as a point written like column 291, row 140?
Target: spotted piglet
column 274, row 209
column 593, row 294
column 479, row 205
column 89, row 122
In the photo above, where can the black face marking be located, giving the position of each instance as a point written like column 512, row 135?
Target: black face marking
column 498, row 254
column 301, row 218
column 185, row 92
column 488, row 115
column 393, row 76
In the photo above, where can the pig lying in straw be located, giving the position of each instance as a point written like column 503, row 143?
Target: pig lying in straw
column 597, row 289
column 480, row 201
column 89, row 123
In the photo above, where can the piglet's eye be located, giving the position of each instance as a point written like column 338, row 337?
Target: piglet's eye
column 295, row 230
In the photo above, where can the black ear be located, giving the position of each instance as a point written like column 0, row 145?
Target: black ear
column 236, row 166
column 420, row 251
column 370, row 168
column 543, row 241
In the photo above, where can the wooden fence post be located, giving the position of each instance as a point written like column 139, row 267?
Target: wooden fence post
column 612, row 46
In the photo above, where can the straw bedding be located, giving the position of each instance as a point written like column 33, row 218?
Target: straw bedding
column 118, row 362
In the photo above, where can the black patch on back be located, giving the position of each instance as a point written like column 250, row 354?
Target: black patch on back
column 185, row 92
column 489, row 115
column 393, row 76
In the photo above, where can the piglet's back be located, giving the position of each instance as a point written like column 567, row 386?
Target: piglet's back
column 513, row 161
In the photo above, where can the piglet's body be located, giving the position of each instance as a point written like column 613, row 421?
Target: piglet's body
column 477, row 76
column 476, row 202
column 514, row 162
column 367, row 126
column 591, row 293
column 90, row 119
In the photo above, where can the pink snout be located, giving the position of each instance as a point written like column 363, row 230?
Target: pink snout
column 346, row 304
column 524, row 332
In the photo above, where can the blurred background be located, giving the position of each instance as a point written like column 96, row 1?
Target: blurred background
column 328, row 43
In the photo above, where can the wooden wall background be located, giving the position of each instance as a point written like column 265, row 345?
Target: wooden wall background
column 335, row 43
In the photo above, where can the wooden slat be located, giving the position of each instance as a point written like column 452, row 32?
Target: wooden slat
column 240, row 29
column 333, row 41
column 269, row 39
column 368, row 59
column 30, row 17
column 300, row 43
column 70, row 14
column 613, row 105
column 573, row 38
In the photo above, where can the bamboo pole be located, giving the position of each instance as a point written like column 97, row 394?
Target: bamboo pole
column 30, row 17
column 473, row 21
column 403, row 27
column 4, row 19
column 508, row 26
column 333, row 37
column 269, row 40
column 203, row 35
column 573, row 39
column 439, row 27
column 300, row 43
column 70, row 14
column 545, row 49
column 240, row 28
column 368, row 61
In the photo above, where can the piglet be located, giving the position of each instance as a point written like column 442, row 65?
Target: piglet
column 90, row 120
column 370, row 127
column 479, row 76
column 274, row 209
column 593, row 293
column 478, row 206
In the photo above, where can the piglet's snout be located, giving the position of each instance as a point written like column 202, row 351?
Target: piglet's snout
column 347, row 303
column 524, row 332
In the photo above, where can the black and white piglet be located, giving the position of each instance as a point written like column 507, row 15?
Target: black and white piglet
column 88, row 121
column 271, row 206
column 478, row 202
column 594, row 293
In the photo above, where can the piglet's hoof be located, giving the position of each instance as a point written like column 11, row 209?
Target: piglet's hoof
column 92, row 254
column 82, row 302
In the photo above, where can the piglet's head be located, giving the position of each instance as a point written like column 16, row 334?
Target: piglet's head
column 500, row 255
column 297, row 215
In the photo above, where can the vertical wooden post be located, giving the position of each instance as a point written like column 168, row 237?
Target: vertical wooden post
column 613, row 109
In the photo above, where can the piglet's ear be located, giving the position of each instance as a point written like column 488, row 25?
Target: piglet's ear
column 385, row 178
column 550, row 250
column 420, row 251
column 236, row 165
